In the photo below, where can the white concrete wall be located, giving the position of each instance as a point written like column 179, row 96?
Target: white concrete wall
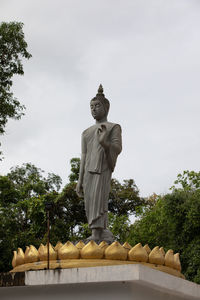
column 127, row 282
column 93, row 291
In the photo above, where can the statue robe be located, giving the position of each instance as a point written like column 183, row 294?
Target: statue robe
column 98, row 168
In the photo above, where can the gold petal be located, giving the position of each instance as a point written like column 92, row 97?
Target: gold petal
column 68, row 251
column 162, row 250
column 138, row 253
column 20, row 257
column 169, row 258
column 103, row 245
column 14, row 263
column 58, row 246
column 41, row 249
column 146, row 247
column 32, row 255
column 156, row 257
column 52, row 253
column 26, row 251
column 43, row 252
column 80, row 245
column 177, row 263
column 91, row 251
column 116, row 251
column 127, row 246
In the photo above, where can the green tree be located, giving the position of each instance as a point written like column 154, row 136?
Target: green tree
column 120, row 226
column 174, row 222
column 13, row 48
column 188, row 181
column 23, row 193
column 75, row 166
column 124, row 201
column 124, row 198
column 73, row 211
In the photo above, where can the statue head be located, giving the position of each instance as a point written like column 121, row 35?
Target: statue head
column 99, row 105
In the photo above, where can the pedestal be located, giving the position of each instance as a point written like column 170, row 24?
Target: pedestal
column 127, row 282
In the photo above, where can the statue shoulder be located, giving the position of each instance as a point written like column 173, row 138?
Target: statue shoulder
column 88, row 130
column 113, row 125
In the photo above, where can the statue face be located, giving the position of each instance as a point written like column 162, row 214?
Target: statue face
column 97, row 109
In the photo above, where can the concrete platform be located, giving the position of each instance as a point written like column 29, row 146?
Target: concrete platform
column 126, row 282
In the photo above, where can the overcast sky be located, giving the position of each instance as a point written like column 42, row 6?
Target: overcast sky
column 146, row 54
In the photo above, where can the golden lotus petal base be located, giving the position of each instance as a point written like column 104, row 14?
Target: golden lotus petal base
column 81, row 263
column 93, row 255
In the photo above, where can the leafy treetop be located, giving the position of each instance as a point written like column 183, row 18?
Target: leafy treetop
column 13, row 48
column 188, row 181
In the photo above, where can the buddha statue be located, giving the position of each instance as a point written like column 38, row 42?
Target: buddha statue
column 101, row 145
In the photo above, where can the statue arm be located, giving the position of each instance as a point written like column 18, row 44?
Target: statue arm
column 114, row 147
column 116, row 139
column 112, row 143
column 79, row 187
column 82, row 167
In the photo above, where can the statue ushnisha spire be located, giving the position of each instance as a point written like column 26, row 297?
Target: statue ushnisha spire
column 100, row 89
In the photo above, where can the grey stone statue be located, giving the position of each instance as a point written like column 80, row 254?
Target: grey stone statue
column 101, row 145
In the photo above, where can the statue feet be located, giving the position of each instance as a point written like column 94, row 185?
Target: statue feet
column 99, row 235
column 96, row 235
column 92, row 238
column 107, row 236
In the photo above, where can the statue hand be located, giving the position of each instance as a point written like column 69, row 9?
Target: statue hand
column 103, row 135
column 79, row 189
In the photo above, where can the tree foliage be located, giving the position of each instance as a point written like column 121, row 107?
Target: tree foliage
column 174, row 222
column 23, row 194
column 75, row 166
column 13, row 48
column 73, row 211
column 188, row 181
column 124, row 198
column 120, row 226
column 171, row 220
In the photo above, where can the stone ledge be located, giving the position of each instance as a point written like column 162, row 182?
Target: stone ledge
column 124, row 273
column 138, row 277
column 85, row 263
